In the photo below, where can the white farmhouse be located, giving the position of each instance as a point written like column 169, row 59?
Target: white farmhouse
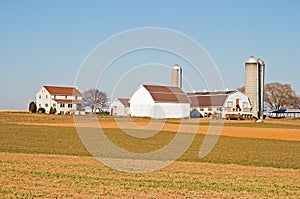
column 66, row 100
column 120, row 107
column 159, row 102
column 220, row 103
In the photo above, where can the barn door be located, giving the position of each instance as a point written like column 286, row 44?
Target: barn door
column 237, row 104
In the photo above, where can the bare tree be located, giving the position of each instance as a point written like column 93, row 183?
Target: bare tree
column 280, row 96
column 296, row 102
column 94, row 98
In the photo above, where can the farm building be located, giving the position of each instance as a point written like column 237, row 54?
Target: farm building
column 159, row 102
column 285, row 113
column 220, row 104
column 65, row 100
column 120, row 107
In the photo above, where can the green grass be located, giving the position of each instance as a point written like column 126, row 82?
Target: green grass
column 229, row 150
column 248, row 151
column 40, row 139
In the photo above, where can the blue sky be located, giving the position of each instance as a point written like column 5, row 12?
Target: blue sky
column 45, row 42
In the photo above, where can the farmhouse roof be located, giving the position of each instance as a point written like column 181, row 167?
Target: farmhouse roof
column 56, row 90
column 167, row 94
column 124, row 101
column 209, row 99
column 68, row 101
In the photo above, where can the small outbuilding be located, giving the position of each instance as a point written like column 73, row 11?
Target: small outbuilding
column 159, row 102
column 120, row 107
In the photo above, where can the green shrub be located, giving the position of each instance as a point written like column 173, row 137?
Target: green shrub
column 32, row 107
column 52, row 110
column 41, row 110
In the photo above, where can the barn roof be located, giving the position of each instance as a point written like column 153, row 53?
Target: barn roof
column 124, row 101
column 214, row 100
column 56, row 90
column 213, row 92
column 286, row 111
column 167, row 94
column 208, row 99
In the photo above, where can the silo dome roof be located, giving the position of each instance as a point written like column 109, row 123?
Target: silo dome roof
column 176, row 66
column 251, row 60
column 261, row 62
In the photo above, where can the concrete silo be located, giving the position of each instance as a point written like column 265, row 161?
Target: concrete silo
column 254, row 85
column 177, row 76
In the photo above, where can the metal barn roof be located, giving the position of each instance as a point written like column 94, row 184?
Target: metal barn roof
column 167, row 94
column 124, row 101
column 209, row 99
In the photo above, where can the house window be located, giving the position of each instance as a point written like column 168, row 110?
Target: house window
column 62, row 105
column 69, row 105
column 46, row 96
column 76, row 97
column 54, row 97
column 201, row 109
column 229, row 104
column 209, row 109
column 54, row 105
column 66, row 97
column 40, row 97
column 46, row 105
column 61, row 112
column 40, row 105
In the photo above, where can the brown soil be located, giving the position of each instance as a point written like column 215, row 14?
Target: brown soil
column 188, row 125
column 54, row 176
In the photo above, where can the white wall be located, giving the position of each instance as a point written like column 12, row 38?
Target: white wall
column 170, row 110
column 45, row 100
column 140, row 103
column 243, row 102
column 208, row 110
column 66, row 109
column 119, row 109
column 69, row 97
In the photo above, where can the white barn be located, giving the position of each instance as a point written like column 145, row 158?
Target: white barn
column 120, row 107
column 159, row 102
column 221, row 103
column 66, row 100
